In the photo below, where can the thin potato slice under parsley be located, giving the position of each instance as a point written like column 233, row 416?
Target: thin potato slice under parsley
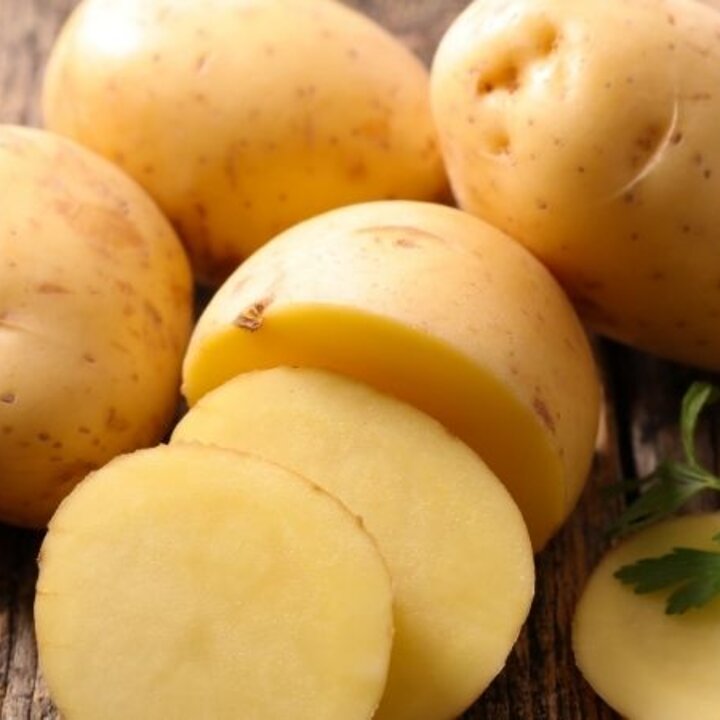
column 644, row 662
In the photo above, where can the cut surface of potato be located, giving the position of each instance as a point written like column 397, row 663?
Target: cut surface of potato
column 588, row 131
column 243, row 117
column 95, row 314
column 455, row 543
column 644, row 663
column 431, row 305
column 193, row 582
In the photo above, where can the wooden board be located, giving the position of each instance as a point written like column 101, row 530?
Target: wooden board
column 540, row 681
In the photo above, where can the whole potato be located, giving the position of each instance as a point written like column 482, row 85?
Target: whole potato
column 589, row 131
column 95, row 301
column 242, row 117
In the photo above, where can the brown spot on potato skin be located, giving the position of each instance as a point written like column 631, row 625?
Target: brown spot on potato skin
column 252, row 317
column 115, row 422
column 375, row 130
column 106, row 229
column 153, row 313
column 408, row 234
column 124, row 287
column 48, row 288
column 357, row 171
column 201, row 63
column 8, row 398
column 404, row 242
column 543, row 413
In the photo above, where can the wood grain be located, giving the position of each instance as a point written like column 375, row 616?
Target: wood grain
column 540, row 681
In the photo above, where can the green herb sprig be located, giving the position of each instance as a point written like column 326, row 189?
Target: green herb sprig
column 692, row 574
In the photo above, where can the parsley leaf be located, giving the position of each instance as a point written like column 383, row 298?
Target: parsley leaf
column 672, row 484
column 693, row 573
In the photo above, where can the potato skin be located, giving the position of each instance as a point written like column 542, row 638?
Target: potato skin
column 95, row 311
column 588, row 131
column 243, row 117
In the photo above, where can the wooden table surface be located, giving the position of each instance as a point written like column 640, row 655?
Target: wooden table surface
column 540, row 680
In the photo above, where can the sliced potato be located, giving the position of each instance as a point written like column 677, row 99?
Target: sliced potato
column 433, row 306
column 644, row 663
column 455, row 542
column 193, row 582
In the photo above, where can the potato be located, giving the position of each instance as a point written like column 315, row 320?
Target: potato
column 588, row 131
column 455, row 543
column 431, row 305
column 192, row 582
column 95, row 310
column 243, row 117
column 644, row 663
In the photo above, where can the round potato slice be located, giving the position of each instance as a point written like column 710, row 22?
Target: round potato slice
column 243, row 117
column 95, row 312
column 193, row 582
column 436, row 307
column 644, row 663
column 456, row 545
column 588, row 131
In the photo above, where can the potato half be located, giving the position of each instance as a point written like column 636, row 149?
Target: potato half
column 95, row 311
column 455, row 543
column 243, row 117
column 644, row 663
column 588, row 131
column 192, row 582
column 435, row 307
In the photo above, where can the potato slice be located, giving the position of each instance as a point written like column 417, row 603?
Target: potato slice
column 456, row 545
column 644, row 663
column 437, row 308
column 192, row 582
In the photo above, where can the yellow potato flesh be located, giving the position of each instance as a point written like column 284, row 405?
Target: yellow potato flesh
column 644, row 663
column 95, row 310
column 437, row 308
column 455, row 543
column 588, row 131
column 192, row 582
column 243, row 117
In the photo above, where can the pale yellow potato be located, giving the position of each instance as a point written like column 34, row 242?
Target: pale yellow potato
column 588, row 131
column 455, row 542
column 95, row 311
column 243, row 117
column 436, row 307
column 193, row 582
column 648, row 665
